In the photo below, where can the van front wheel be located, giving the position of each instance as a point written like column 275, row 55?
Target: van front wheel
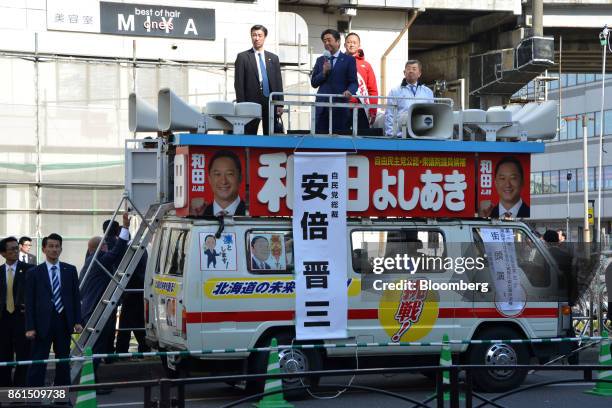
column 498, row 355
column 290, row 361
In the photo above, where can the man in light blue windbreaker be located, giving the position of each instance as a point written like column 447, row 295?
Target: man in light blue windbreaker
column 411, row 90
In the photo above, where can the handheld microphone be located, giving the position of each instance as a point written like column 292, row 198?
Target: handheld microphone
column 327, row 55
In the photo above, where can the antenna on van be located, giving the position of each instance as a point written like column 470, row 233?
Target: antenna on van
column 221, row 227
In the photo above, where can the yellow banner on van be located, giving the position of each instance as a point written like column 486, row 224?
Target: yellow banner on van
column 166, row 286
column 245, row 288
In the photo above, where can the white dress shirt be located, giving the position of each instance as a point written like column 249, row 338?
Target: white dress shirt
column 23, row 257
column 6, row 270
column 50, row 273
column 422, row 94
column 263, row 58
column 229, row 210
column 513, row 211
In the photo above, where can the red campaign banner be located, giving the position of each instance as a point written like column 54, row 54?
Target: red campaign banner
column 503, row 185
column 196, row 188
column 406, row 184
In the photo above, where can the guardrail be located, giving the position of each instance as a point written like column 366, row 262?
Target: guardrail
column 340, row 101
column 454, row 388
column 185, row 353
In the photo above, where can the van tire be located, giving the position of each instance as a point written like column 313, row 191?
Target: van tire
column 498, row 354
column 309, row 360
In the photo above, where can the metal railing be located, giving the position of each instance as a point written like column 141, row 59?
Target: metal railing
column 341, row 101
column 457, row 386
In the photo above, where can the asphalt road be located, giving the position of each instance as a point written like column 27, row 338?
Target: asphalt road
column 414, row 386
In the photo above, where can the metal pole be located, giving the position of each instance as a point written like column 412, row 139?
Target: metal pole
column 601, row 132
column 38, row 145
column 225, row 64
column 537, row 17
column 383, row 59
column 560, row 83
column 567, row 221
column 585, row 179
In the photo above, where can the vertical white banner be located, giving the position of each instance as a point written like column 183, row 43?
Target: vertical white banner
column 510, row 297
column 320, row 247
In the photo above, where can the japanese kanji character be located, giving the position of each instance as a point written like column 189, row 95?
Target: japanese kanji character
column 313, row 186
column 314, row 226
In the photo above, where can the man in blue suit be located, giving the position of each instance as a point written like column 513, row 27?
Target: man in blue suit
column 334, row 74
column 53, row 311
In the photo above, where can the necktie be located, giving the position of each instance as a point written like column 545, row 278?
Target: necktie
column 264, row 77
column 24, row 258
column 10, row 302
column 222, row 213
column 332, row 61
column 57, row 297
column 413, row 90
column 507, row 214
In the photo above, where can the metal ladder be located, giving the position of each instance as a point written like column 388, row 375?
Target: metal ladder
column 119, row 280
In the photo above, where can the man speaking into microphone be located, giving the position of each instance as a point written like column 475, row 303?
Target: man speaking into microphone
column 334, row 73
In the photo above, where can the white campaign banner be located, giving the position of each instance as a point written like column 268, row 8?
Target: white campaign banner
column 320, row 247
column 510, row 297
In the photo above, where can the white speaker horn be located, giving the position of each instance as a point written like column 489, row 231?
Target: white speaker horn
column 176, row 114
column 539, row 122
column 429, row 121
column 142, row 117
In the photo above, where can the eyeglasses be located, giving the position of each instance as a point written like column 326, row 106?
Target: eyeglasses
column 28, row 245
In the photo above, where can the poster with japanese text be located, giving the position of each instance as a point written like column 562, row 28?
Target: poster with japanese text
column 510, row 297
column 379, row 184
column 217, row 254
column 319, row 234
column 213, row 181
column 503, row 185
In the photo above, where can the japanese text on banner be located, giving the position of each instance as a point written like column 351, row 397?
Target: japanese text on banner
column 319, row 233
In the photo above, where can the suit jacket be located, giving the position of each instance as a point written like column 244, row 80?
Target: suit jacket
column 30, row 259
column 523, row 211
column 96, row 282
column 18, row 286
column 240, row 210
column 255, row 265
column 246, row 79
column 342, row 77
column 39, row 298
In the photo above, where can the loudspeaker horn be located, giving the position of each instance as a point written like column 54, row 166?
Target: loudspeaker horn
column 176, row 114
column 142, row 117
column 429, row 121
column 535, row 122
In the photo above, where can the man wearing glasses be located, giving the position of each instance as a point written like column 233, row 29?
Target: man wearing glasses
column 25, row 244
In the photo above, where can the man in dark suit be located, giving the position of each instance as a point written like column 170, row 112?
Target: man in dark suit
column 260, row 251
column 225, row 176
column 53, row 311
column 509, row 182
column 25, row 245
column 336, row 74
column 257, row 74
column 97, row 280
column 13, row 344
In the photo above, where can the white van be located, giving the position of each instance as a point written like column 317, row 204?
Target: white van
column 204, row 291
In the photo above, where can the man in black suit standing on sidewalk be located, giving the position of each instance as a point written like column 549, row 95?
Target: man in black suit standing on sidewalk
column 13, row 344
column 53, row 311
column 257, row 75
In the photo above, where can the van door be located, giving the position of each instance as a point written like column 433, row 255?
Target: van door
column 405, row 312
column 534, row 297
column 168, row 287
